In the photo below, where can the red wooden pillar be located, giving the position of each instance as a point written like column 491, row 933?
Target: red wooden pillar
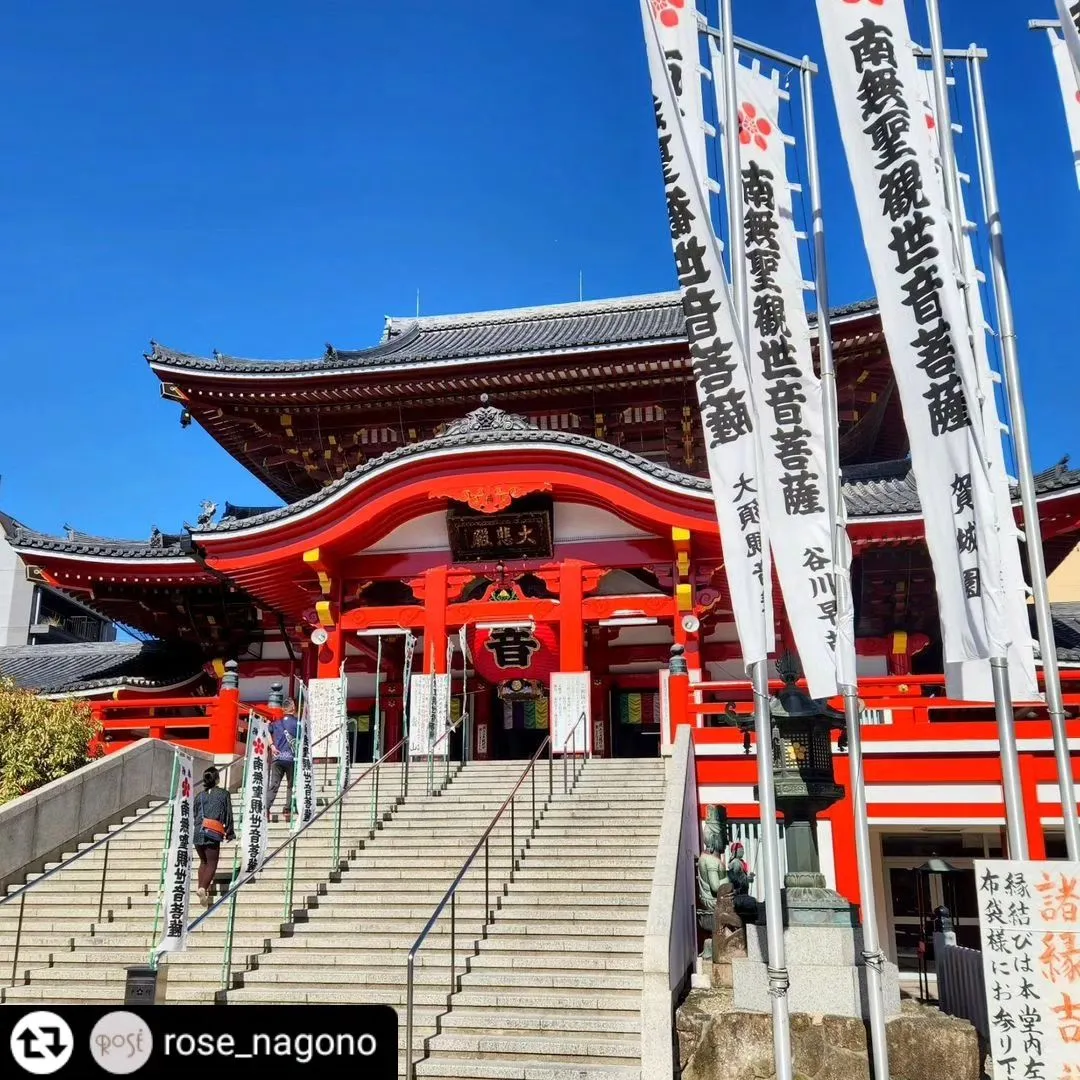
column 392, row 714
column 571, row 620
column 842, row 817
column 679, row 711
column 435, row 621
column 1029, row 786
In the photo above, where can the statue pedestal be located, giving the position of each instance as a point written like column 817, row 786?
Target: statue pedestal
column 826, row 969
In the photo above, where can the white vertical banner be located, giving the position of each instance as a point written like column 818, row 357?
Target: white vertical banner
column 791, row 421
column 728, row 413
column 1069, row 14
column 421, row 689
column 176, row 880
column 253, row 831
column 570, row 700
column 442, row 714
column 1070, row 93
column 972, row 680
column 909, row 243
column 303, row 771
column 676, row 24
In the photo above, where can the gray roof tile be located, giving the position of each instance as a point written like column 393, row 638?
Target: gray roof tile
column 878, row 490
column 65, row 669
column 632, row 320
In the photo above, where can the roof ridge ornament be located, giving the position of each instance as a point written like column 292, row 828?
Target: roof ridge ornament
column 488, row 418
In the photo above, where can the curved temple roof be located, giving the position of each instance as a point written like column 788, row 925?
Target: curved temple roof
column 880, row 490
column 627, row 321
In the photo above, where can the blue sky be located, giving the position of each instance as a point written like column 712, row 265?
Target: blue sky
column 263, row 178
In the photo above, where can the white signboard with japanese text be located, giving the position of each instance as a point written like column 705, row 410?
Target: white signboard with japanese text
column 1029, row 921
column 428, row 718
column 326, row 713
column 570, row 699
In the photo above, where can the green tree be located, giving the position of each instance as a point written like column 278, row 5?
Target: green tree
column 42, row 740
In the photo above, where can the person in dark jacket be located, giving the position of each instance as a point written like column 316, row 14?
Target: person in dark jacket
column 283, row 734
column 213, row 821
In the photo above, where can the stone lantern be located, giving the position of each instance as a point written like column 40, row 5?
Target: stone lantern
column 805, row 785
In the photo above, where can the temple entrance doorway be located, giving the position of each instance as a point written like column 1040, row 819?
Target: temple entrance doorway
column 520, row 719
column 635, row 723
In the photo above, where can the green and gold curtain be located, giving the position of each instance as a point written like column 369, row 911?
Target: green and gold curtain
column 638, row 708
column 526, row 715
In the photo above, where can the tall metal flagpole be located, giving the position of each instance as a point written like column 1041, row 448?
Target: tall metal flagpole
column 1032, row 526
column 872, row 955
column 999, row 666
column 759, row 672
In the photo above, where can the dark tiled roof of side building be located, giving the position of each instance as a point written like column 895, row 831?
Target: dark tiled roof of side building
column 554, row 328
column 71, row 668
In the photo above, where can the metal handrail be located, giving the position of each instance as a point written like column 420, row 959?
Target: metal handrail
column 105, row 841
column 235, row 887
column 451, row 894
column 431, row 753
column 572, row 738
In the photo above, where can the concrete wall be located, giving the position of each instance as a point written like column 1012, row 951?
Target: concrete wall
column 16, row 597
column 38, row 827
column 1064, row 582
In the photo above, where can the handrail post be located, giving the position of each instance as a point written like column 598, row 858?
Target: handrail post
column 533, row 773
column 513, row 845
column 487, row 897
column 409, row 1073
column 18, row 938
column 551, row 768
column 453, row 935
column 104, row 871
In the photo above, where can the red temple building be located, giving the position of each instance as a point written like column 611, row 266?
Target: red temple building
column 537, row 477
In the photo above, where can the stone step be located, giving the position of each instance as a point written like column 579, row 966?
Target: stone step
column 627, row 1022
column 538, row 979
column 549, row 1046
column 444, row 1067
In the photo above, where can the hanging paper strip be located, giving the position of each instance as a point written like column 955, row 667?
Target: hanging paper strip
column 729, row 416
column 908, row 240
column 792, row 423
column 972, row 680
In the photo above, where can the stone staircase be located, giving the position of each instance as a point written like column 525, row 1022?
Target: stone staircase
column 554, row 990
column 551, row 988
column 69, row 954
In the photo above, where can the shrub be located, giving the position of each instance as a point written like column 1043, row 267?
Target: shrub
column 42, row 740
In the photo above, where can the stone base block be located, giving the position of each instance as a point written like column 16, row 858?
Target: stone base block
column 826, row 971
column 717, row 1042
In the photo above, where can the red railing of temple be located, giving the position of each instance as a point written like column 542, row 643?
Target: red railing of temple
column 213, row 725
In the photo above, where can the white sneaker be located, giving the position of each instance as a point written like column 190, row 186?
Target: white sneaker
column 203, row 896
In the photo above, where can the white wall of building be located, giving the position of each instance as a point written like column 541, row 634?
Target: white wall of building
column 16, row 597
